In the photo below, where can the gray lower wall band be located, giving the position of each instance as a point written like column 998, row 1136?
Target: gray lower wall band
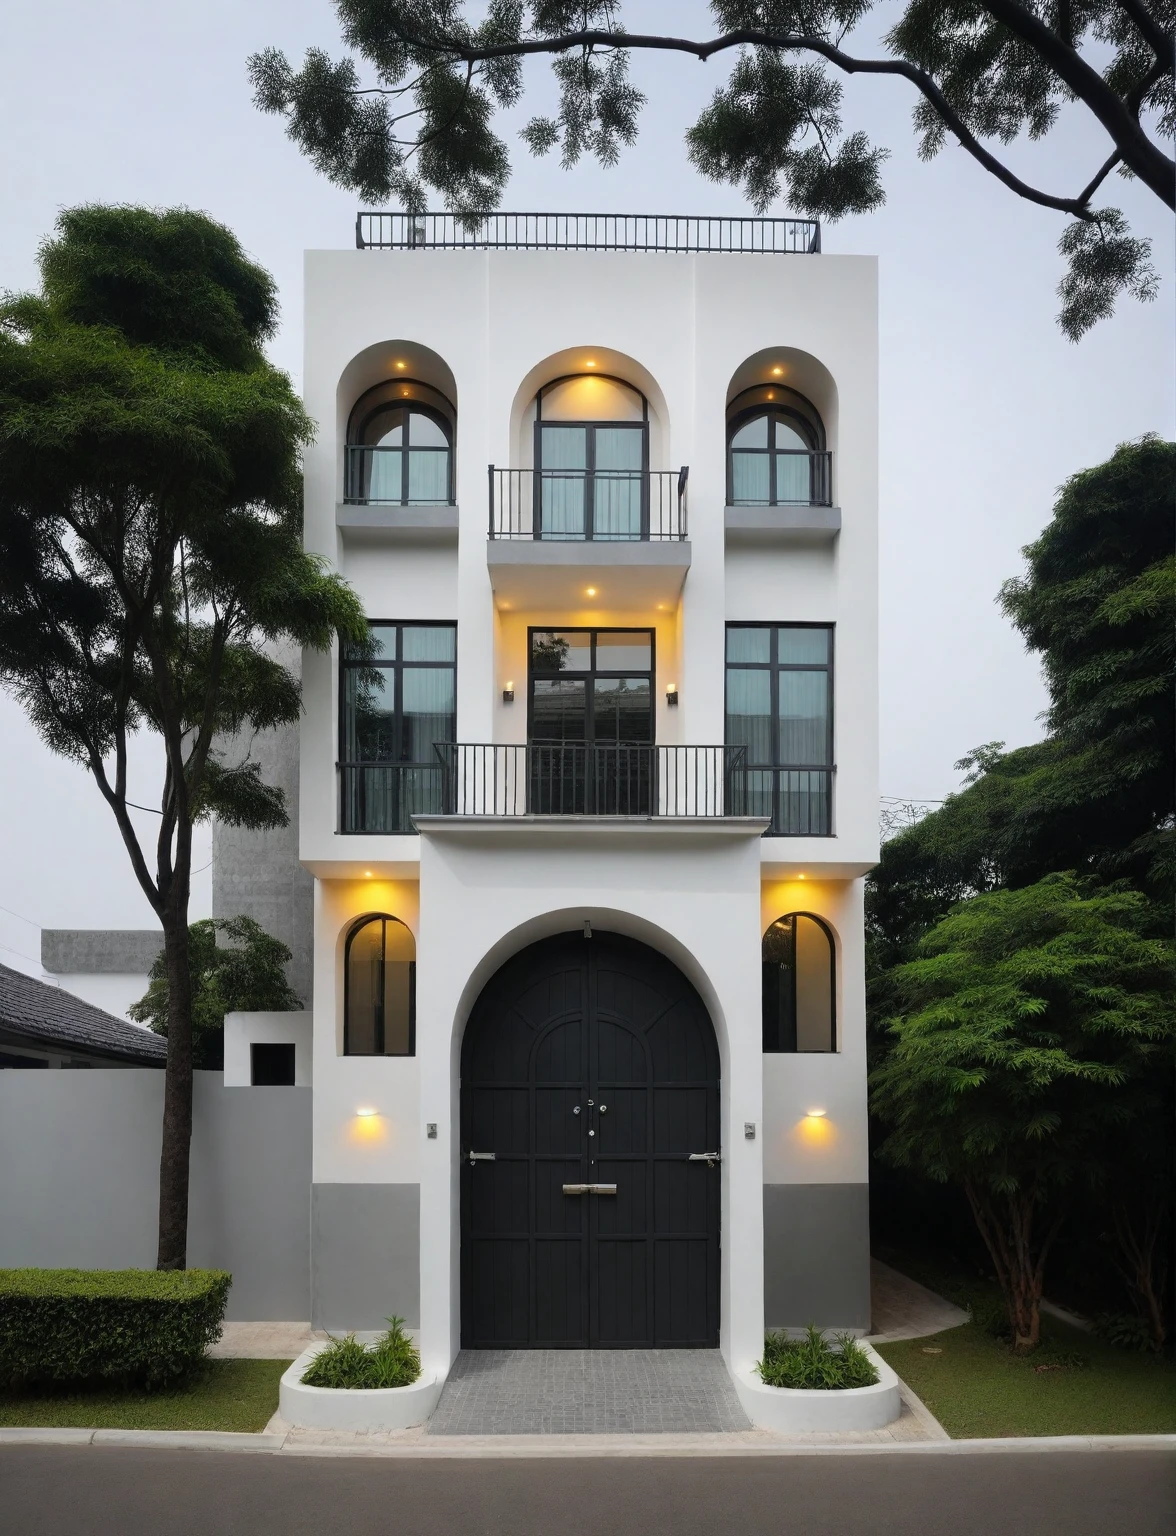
column 79, row 1181
column 817, row 1255
column 365, row 1255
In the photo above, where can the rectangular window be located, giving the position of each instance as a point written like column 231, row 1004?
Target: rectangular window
column 271, row 1065
column 394, row 708
column 780, row 709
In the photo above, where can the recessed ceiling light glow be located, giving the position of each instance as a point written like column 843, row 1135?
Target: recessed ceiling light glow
column 777, row 372
column 591, row 591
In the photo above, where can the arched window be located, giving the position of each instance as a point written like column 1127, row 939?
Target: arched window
column 379, row 989
column 400, row 446
column 591, row 459
column 775, row 450
column 800, row 985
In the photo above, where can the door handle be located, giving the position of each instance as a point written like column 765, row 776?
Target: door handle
column 590, row 1189
column 709, row 1158
column 480, row 1157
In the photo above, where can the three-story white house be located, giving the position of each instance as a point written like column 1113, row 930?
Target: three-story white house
column 588, row 832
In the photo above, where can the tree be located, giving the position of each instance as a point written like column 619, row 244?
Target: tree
column 151, row 551
column 246, row 974
column 983, row 73
column 1033, row 1025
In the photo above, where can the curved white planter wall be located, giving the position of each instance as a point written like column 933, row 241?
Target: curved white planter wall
column 350, row 1408
column 794, row 1410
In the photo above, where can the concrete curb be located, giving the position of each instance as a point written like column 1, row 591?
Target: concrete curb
column 545, row 1447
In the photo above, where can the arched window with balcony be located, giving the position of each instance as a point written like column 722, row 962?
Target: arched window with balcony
column 379, row 988
column 400, row 441
column 799, row 985
column 591, row 459
column 776, row 452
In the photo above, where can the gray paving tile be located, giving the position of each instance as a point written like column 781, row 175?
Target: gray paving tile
column 587, row 1391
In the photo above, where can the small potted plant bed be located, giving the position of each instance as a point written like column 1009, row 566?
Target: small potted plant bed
column 343, row 1383
column 813, row 1384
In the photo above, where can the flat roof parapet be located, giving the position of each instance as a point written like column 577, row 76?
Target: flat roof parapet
column 587, row 232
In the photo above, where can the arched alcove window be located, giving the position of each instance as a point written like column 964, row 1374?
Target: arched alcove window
column 799, row 985
column 379, row 989
column 591, row 458
column 775, row 450
column 400, row 446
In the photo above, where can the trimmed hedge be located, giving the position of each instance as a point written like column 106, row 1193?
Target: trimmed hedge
column 133, row 1326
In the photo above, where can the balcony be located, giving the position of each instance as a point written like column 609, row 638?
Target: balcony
column 397, row 493
column 617, row 538
column 587, row 232
column 801, row 509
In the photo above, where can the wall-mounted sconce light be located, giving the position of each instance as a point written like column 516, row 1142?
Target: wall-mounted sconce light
column 815, row 1114
column 508, row 694
column 365, row 1112
column 672, row 695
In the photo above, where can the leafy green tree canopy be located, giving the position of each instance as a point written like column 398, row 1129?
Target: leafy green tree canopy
column 245, row 973
column 1026, row 1025
column 983, row 74
column 151, row 550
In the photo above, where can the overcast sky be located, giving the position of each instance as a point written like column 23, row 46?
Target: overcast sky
column 985, row 407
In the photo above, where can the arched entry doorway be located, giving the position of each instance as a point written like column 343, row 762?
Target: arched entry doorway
column 589, row 1087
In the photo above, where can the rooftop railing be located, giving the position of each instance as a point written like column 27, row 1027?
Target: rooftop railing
column 587, row 232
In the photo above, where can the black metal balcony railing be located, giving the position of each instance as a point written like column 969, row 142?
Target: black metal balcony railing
column 558, row 779
column 799, row 801
column 803, row 479
column 587, row 232
column 384, row 797
column 403, row 477
column 614, row 505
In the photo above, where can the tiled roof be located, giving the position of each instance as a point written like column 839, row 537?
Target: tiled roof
column 41, row 1013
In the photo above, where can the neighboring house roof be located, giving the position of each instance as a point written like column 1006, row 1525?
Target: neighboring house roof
column 53, row 1016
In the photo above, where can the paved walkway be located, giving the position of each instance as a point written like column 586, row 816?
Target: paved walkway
column 903, row 1309
column 587, row 1392
column 263, row 1341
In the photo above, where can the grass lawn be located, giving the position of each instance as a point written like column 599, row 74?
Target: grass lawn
column 1075, row 1384
column 225, row 1394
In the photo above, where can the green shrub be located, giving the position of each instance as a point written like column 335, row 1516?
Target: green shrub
column 392, row 1361
column 1124, row 1329
column 815, row 1362
column 139, row 1327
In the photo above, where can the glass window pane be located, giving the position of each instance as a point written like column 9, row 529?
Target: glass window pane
column 804, row 716
column 386, row 427
column 399, row 986
column 779, row 1020
column 384, row 473
column 369, row 718
column 558, row 712
column 750, row 479
column 564, row 447
column 622, row 710
column 383, row 639
column 428, row 475
column 814, row 986
column 425, row 431
column 561, row 650
column 803, row 646
column 788, row 435
column 363, row 989
column 793, row 478
column 562, row 504
column 623, row 650
column 749, row 713
column 749, row 644
column 428, row 711
column 430, row 642
column 619, row 448
column 752, row 434
column 616, row 506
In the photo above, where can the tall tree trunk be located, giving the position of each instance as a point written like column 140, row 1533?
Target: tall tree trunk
column 177, row 1093
column 1006, row 1225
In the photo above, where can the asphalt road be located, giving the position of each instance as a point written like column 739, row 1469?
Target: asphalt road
column 115, row 1491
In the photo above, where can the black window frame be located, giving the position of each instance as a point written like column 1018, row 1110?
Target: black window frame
column 592, row 673
column 793, row 1049
column 803, row 416
column 589, row 471
column 357, row 927
column 396, row 666
column 445, row 417
column 774, row 666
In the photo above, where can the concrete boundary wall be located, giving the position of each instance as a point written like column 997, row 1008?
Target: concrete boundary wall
column 79, row 1181
column 100, row 951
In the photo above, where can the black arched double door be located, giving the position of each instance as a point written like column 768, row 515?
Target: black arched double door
column 589, row 1077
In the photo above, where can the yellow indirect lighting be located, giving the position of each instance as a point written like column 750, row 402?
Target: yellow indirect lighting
column 811, row 1114
column 365, row 1112
column 591, row 591
column 590, row 363
column 405, row 365
column 367, row 874
column 777, row 371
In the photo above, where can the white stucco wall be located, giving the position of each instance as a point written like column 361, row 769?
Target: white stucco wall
column 275, row 1028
